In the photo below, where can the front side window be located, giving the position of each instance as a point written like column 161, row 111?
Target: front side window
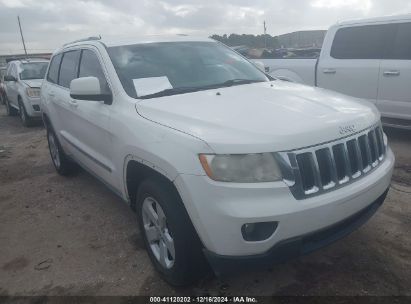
column 12, row 71
column 53, row 73
column 8, row 70
column 33, row 70
column 362, row 42
column 178, row 67
column 68, row 68
column 90, row 66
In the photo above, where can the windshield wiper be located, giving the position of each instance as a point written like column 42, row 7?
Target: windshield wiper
column 173, row 91
column 232, row 82
column 182, row 90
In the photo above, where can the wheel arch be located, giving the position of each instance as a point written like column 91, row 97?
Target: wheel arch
column 136, row 170
column 46, row 120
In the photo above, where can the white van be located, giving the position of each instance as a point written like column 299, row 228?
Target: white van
column 369, row 59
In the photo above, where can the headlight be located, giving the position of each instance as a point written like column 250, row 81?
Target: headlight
column 385, row 139
column 33, row 92
column 241, row 168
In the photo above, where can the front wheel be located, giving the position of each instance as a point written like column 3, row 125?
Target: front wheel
column 25, row 119
column 10, row 110
column 60, row 161
column 171, row 241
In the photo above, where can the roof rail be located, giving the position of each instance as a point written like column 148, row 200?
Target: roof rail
column 84, row 39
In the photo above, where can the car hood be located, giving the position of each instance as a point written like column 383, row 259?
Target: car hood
column 33, row 83
column 262, row 117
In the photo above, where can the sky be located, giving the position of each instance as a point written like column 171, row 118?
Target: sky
column 47, row 24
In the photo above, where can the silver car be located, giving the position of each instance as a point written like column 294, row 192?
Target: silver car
column 22, row 84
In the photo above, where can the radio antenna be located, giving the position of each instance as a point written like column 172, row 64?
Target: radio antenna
column 22, row 38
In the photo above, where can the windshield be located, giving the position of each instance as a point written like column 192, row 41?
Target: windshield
column 34, row 70
column 178, row 67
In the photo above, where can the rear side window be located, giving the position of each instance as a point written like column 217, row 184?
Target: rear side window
column 53, row 73
column 90, row 66
column 401, row 49
column 362, row 42
column 68, row 68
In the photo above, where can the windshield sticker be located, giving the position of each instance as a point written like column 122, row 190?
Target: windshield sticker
column 151, row 85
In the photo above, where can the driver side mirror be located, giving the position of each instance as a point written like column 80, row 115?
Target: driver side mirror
column 9, row 78
column 260, row 65
column 88, row 88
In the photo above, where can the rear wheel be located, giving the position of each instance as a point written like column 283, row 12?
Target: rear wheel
column 10, row 110
column 60, row 161
column 169, row 236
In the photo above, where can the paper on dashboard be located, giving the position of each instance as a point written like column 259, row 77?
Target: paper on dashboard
column 151, row 85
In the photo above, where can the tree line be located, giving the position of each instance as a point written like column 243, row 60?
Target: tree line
column 254, row 41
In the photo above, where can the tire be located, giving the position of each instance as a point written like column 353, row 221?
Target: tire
column 185, row 264
column 10, row 110
column 26, row 120
column 64, row 166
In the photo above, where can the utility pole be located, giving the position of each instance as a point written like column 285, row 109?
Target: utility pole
column 22, row 38
column 265, row 35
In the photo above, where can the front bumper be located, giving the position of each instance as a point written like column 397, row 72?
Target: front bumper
column 32, row 106
column 219, row 210
column 296, row 246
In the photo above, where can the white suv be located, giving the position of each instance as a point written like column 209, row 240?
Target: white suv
column 22, row 87
column 222, row 163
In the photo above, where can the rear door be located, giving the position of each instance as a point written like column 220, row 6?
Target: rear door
column 49, row 90
column 59, row 95
column 352, row 64
column 394, row 96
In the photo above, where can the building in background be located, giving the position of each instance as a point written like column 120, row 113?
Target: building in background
column 302, row 39
column 5, row 58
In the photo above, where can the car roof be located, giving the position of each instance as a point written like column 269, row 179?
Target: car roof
column 110, row 41
column 384, row 19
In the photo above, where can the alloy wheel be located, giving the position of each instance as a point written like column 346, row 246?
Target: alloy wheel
column 54, row 149
column 157, row 233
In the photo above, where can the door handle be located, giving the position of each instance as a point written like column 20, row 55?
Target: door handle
column 392, row 73
column 329, row 71
column 51, row 96
column 73, row 103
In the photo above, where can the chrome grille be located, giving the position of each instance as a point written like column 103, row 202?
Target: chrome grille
column 330, row 166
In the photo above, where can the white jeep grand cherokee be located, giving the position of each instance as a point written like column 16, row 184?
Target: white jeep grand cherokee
column 224, row 165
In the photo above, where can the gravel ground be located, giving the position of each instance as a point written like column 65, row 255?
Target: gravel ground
column 72, row 236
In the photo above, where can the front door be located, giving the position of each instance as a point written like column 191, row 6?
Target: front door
column 86, row 126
